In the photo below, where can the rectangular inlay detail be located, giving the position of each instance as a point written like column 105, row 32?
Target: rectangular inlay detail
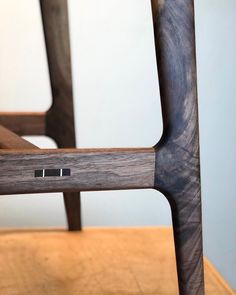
column 51, row 172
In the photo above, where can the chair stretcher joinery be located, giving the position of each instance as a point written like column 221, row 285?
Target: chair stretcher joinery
column 172, row 166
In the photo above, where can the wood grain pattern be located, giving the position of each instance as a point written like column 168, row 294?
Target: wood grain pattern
column 108, row 261
column 58, row 121
column 91, row 169
column 9, row 140
column 24, row 123
column 60, row 117
column 177, row 154
column 175, row 159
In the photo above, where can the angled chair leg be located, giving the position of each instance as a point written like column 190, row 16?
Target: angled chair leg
column 188, row 244
column 177, row 177
column 177, row 154
column 73, row 210
column 60, row 117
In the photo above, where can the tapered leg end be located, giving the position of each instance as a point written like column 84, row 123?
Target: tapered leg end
column 188, row 248
column 73, row 211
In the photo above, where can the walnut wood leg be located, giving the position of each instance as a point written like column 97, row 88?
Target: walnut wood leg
column 177, row 154
column 60, row 117
column 188, row 246
column 72, row 201
column 177, row 177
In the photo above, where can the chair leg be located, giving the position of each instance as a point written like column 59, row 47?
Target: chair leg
column 177, row 154
column 72, row 206
column 60, row 117
column 178, row 178
column 188, row 247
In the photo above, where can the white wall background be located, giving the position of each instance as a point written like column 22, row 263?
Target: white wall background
column 117, row 105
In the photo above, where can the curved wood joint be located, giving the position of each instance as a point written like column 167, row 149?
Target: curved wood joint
column 60, row 117
column 177, row 154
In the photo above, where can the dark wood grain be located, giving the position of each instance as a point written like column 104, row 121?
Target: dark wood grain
column 33, row 123
column 91, row 170
column 60, row 117
column 177, row 154
column 10, row 140
column 172, row 167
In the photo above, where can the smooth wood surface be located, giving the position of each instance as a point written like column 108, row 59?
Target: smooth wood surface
column 24, row 123
column 9, row 140
column 177, row 171
column 94, row 262
column 91, row 169
column 72, row 202
column 60, row 117
column 177, row 154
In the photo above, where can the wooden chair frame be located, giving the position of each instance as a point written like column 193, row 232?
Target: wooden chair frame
column 172, row 166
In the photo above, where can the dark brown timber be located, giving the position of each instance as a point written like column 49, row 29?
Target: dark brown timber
column 24, row 123
column 172, row 166
column 177, row 154
column 9, row 140
column 90, row 170
column 58, row 122
column 60, row 117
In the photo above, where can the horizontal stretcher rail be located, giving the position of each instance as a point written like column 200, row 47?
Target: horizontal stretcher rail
column 57, row 170
column 24, row 123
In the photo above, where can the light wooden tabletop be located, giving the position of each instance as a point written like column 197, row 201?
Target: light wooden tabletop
column 99, row 261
